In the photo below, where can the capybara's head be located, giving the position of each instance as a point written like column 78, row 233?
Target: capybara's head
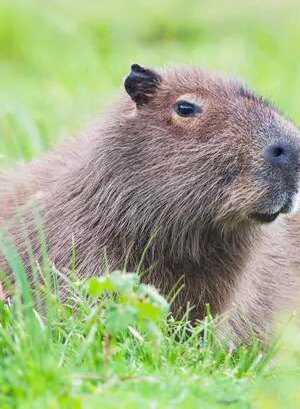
column 204, row 148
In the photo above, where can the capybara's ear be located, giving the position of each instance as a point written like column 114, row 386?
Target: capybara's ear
column 141, row 84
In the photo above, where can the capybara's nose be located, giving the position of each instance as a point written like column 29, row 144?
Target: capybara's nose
column 284, row 155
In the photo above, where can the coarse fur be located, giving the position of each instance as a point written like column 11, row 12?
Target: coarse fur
column 173, row 196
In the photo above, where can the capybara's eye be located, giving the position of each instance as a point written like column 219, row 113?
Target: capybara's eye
column 185, row 108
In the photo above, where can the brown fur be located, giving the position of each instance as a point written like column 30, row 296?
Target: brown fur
column 184, row 187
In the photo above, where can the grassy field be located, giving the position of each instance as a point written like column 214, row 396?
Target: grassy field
column 60, row 63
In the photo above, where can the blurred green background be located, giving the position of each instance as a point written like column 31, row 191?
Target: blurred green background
column 61, row 61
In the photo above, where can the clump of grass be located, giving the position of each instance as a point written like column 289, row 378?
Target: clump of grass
column 51, row 347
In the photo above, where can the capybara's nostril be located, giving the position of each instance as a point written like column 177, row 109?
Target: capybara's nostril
column 280, row 154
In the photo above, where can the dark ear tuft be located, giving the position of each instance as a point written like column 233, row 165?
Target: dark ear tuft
column 141, row 84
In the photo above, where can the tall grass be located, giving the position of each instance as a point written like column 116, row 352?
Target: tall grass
column 112, row 341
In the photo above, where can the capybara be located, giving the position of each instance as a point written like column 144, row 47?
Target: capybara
column 191, row 178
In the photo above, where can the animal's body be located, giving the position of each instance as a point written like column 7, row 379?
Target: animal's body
column 194, row 168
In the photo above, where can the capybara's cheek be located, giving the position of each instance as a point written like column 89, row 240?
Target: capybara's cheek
column 240, row 198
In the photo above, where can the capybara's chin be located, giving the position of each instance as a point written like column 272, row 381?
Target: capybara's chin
column 184, row 180
column 275, row 204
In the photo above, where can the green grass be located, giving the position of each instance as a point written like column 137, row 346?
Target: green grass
column 61, row 62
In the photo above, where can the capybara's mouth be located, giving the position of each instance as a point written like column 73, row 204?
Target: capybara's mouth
column 268, row 217
column 265, row 217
